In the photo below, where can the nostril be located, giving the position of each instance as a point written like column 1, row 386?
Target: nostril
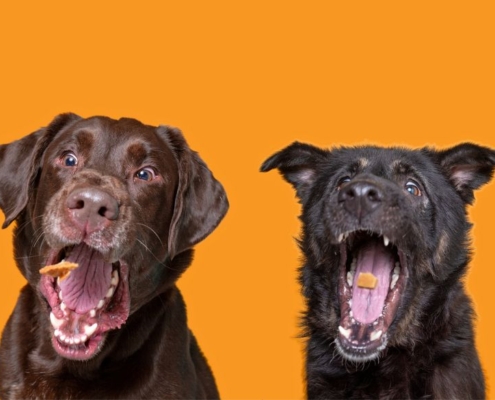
column 102, row 211
column 373, row 195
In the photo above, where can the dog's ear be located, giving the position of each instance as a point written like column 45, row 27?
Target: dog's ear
column 468, row 166
column 298, row 164
column 20, row 162
column 200, row 201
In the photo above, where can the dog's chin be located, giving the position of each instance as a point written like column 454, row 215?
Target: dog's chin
column 86, row 305
column 366, row 313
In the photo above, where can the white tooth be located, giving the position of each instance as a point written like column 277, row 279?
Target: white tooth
column 83, row 338
column 115, row 278
column 397, row 270
column 397, row 264
column 71, row 341
column 375, row 335
column 60, row 295
column 345, row 332
column 63, row 306
column 77, row 341
column 351, row 315
column 395, row 278
column 100, row 304
column 349, row 278
column 89, row 330
column 354, row 265
column 350, row 302
column 110, row 292
column 92, row 313
column 386, row 241
column 62, row 337
column 56, row 323
column 56, row 333
column 341, row 237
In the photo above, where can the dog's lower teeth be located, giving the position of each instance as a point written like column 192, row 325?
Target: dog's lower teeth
column 345, row 332
column 56, row 323
column 100, row 304
column 115, row 278
column 376, row 335
column 60, row 295
column 393, row 282
column 386, row 241
column 110, row 293
column 92, row 313
column 89, row 330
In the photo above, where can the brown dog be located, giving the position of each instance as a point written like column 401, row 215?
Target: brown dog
column 126, row 202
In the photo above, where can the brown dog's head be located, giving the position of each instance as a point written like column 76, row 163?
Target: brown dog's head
column 123, row 200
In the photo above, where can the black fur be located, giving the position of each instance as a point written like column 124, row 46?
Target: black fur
column 357, row 197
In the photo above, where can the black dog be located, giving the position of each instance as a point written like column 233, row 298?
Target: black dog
column 397, row 217
column 126, row 202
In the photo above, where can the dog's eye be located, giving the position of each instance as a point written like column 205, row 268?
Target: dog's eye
column 146, row 174
column 342, row 181
column 413, row 188
column 69, row 160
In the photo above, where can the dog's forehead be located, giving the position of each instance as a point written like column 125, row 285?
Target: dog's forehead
column 382, row 160
column 114, row 140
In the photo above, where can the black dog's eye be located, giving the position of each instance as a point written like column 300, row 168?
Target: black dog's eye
column 146, row 174
column 413, row 188
column 69, row 160
column 342, row 181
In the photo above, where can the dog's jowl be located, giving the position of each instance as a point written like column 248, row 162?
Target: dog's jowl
column 122, row 204
column 386, row 245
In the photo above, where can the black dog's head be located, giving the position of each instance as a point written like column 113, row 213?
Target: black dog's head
column 395, row 213
column 123, row 200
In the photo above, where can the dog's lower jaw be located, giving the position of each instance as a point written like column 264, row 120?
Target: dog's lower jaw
column 81, row 336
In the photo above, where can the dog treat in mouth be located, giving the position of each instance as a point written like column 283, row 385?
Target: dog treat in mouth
column 367, row 280
column 60, row 270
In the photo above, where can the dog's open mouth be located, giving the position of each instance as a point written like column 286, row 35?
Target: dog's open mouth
column 368, row 310
column 91, row 301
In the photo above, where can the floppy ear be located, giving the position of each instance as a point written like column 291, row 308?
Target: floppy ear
column 20, row 162
column 298, row 164
column 200, row 201
column 468, row 166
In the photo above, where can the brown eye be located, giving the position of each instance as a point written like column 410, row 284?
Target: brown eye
column 413, row 188
column 343, row 181
column 69, row 160
column 146, row 174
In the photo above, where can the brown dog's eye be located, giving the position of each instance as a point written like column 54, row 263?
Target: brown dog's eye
column 413, row 188
column 342, row 181
column 69, row 160
column 146, row 174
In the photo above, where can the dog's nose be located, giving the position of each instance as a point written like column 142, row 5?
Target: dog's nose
column 360, row 198
column 92, row 209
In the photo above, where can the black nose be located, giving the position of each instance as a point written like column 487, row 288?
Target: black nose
column 360, row 198
column 92, row 209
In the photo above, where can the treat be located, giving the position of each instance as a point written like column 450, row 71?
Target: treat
column 367, row 280
column 60, row 270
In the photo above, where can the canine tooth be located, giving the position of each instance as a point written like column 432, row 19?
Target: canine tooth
column 100, row 304
column 89, row 330
column 386, row 241
column 110, row 292
column 376, row 335
column 340, row 238
column 56, row 323
column 115, row 278
column 354, row 265
column 83, row 338
column 345, row 332
column 349, row 278
column 92, row 313
column 395, row 278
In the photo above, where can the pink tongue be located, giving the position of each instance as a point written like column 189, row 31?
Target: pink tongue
column 367, row 304
column 88, row 283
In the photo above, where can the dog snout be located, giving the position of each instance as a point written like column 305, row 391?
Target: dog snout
column 360, row 198
column 92, row 209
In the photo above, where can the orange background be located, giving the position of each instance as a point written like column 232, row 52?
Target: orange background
column 242, row 80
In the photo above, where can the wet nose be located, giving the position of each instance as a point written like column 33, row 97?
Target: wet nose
column 360, row 198
column 92, row 209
